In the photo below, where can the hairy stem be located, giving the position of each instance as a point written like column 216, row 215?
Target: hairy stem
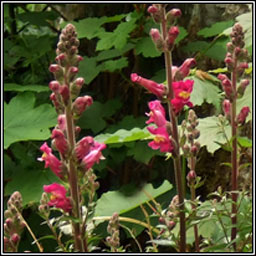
column 175, row 135
column 234, row 157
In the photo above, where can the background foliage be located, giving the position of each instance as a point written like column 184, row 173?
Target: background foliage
column 114, row 42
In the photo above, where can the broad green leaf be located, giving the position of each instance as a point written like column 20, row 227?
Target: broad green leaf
column 244, row 142
column 141, row 152
column 101, row 111
column 123, row 135
column 116, row 39
column 183, row 33
column 38, row 18
column 9, row 167
column 112, row 65
column 215, row 29
column 22, row 88
column 110, row 54
column 146, row 47
column 198, row 46
column 89, row 27
column 24, row 122
column 30, row 184
column 205, row 90
column 115, row 201
column 211, row 134
column 88, row 69
column 246, row 100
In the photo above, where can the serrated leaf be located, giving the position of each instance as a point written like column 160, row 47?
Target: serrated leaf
column 146, row 47
column 244, row 142
column 118, row 38
column 123, row 135
column 183, row 33
column 88, row 69
column 112, row 65
column 30, row 184
column 38, row 18
column 215, row 29
column 198, row 46
column 24, row 122
column 210, row 133
column 22, row 88
column 115, row 201
column 205, row 90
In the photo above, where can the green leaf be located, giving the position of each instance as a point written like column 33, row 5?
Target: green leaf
column 123, row 135
column 88, row 69
column 118, row 38
column 38, row 18
column 198, row 46
column 30, row 184
column 115, row 201
column 112, row 65
column 210, row 133
column 141, row 152
column 215, row 29
column 22, row 88
column 24, row 122
column 183, row 33
column 101, row 111
column 205, row 90
column 244, row 142
column 146, row 47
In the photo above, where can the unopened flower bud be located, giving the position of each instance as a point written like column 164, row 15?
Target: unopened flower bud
column 172, row 35
column 241, row 88
column 191, row 176
column 77, row 131
column 152, row 9
column 54, row 86
column 186, row 149
column 198, row 145
column 61, row 59
column 62, row 123
column 230, row 47
column 54, row 68
column 226, row 107
column 222, row 77
column 243, row 115
column 15, row 238
column 81, row 103
column 172, row 15
column 64, row 92
column 194, row 150
column 171, row 224
column 161, row 220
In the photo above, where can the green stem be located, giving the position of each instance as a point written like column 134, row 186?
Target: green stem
column 175, row 135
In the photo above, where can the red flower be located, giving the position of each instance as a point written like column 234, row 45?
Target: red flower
column 60, row 141
column 153, row 87
column 157, row 113
column 94, row 155
column 58, row 196
column 50, row 160
column 182, row 91
column 83, row 146
column 161, row 140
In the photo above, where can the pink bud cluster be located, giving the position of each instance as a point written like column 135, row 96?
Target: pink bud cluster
column 235, row 60
column 65, row 91
column 14, row 224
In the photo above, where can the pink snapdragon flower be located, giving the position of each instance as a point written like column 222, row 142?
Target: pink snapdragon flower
column 161, row 140
column 156, row 114
column 83, row 146
column 60, row 141
column 81, row 104
column 153, row 87
column 94, row 156
column 50, row 160
column 241, row 117
column 58, row 196
column 182, row 91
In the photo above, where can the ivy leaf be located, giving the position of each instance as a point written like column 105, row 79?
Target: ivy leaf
column 211, row 134
column 22, row 88
column 115, row 201
column 205, row 90
column 24, row 122
column 215, row 29
column 146, row 47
